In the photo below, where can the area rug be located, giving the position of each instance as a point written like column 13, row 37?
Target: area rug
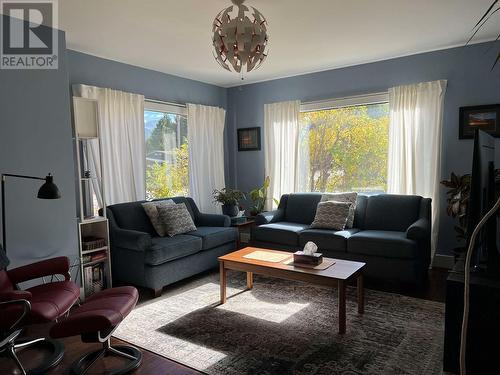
column 284, row 327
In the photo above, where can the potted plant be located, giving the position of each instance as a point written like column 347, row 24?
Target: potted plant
column 229, row 198
column 259, row 197
column 458, row 200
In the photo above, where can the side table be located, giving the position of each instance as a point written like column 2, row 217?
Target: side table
column 243, row 228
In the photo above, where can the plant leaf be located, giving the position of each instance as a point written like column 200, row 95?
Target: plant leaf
column 496, row 61
column 267, row 181
column 447, row 183
column 482, row 24
column 485, row 14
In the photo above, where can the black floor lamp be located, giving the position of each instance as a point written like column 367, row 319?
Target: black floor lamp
column 48, row 190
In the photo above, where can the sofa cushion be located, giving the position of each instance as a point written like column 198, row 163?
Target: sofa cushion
column 152, row 211
column 215, row 236
column 332, row 215
column 190, row 205
column 327, row 239
column 301, row 208
column 391, row 212
column 176, row 219
column 283, row 232
column 350, row 197
column 166, row 249
column 389, row 244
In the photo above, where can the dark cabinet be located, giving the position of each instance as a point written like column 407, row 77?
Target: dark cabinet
column 483, row 342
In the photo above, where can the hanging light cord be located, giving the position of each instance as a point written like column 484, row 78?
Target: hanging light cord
column 468, row 257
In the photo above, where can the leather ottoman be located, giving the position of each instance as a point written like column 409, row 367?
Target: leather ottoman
column 95, row 321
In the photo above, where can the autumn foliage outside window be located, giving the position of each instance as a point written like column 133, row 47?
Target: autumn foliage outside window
column 346, row 148
column 167, row 155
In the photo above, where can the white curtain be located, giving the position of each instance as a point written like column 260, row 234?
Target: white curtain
column 284, row 163
column 205, row 126
column 121, row 117
column 416, row 122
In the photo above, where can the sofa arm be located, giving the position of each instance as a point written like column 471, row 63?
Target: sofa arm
column 48, row 267
column 419, row 230
column 270, row 217
column 131, row 239
column 211, row 220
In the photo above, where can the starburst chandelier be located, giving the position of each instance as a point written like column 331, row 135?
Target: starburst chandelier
column 240, row 37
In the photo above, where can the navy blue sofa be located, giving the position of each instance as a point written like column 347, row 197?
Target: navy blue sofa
column 391, row 233
column 140, row 257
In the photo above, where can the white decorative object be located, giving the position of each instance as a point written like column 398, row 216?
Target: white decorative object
column 240, row 37
column 310, row 248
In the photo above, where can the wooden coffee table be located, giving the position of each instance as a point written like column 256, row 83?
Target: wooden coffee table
column 336, row 275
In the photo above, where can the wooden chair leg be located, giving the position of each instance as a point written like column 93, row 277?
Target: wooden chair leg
column 157, row 292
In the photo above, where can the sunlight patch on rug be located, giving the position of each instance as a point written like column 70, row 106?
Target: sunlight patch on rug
column 264, row 310
column 284, row 327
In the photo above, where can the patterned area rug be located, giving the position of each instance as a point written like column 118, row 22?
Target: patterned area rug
column 284, row 327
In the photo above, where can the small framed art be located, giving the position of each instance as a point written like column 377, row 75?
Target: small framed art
column 482, row 117
column 249, row 139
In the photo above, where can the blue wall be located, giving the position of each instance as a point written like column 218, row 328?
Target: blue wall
column 96, row 71
column 35, row 139
column 470, row 82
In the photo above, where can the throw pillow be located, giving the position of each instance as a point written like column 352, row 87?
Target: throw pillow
column 343, row 197
column 176, row 219
column 331, row 215
column 152, row 212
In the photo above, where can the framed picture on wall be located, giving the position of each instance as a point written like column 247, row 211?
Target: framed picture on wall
column 249, row 139
column 482, row 117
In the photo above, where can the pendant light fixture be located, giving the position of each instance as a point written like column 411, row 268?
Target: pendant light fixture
column 240, row 38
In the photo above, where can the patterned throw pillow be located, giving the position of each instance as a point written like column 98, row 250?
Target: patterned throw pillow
column 152, row 212
column 343, row 197
column 331, row 215
column 176, row 219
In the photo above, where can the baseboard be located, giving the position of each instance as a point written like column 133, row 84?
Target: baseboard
column 443, row 261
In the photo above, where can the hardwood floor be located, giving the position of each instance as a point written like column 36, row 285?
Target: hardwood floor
column 434, row 290
column 155, row 364
column 74, row 348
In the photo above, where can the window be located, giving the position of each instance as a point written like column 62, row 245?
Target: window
column 167, row 157
column 345, row 144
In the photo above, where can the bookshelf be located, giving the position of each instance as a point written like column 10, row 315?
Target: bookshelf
column 93, row 230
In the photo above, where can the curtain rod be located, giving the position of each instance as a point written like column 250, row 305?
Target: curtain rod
column 163, row 102
column 372, row 94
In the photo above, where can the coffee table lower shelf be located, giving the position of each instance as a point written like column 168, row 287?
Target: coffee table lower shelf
column 332, row 277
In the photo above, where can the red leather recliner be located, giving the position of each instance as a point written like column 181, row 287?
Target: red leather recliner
column 39, row 304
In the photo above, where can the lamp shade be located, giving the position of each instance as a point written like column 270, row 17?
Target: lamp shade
column 49, row 190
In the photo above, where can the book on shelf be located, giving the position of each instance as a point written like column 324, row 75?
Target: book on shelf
column 92, row 243
column 94, row 278
column 101, row 255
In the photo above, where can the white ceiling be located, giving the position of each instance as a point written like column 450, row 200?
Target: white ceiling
column 305, row 36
